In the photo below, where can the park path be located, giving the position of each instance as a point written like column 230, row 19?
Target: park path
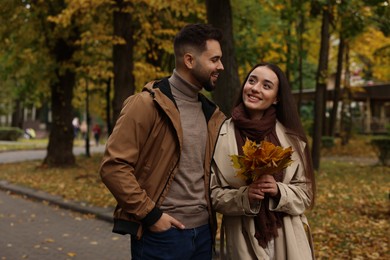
column 38, row 226
column 39, row 231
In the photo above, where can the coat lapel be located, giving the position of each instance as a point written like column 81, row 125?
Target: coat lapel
column 226, row 146
column 285, row 142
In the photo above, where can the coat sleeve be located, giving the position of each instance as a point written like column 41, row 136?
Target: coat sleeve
column 295, row 195
column 122, row 154
column 229, row 194
column 228, row 200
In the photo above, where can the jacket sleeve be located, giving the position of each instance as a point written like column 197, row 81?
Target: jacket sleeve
column 121, row 157
column 295, row 195
column 227, row 200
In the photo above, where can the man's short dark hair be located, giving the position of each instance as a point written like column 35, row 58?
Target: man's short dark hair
column 195, row 36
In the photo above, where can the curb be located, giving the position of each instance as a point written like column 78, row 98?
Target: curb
column 105, row 214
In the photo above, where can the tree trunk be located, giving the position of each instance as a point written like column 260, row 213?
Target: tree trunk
column 346, row 113
column 17, row 117
column 60, row 147
column 289, row 64
column 321, row 78
column 300, row 30
column 219, row 14
column 122, row 57
column 337, row 87
column 88, row 119
column 108, row 107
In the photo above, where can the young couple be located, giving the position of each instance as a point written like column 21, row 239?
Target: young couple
column 167, row 163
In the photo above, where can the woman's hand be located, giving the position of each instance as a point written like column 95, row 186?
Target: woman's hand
column 255, row 194
column 267, row 184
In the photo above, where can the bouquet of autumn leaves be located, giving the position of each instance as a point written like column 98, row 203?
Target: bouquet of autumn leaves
column 258, row 159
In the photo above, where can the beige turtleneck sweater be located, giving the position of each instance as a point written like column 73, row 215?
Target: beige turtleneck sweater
column 186, row 198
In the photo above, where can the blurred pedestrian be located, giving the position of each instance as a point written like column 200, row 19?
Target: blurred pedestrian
column 76, row 126
column 84, row 129
column 96, row 133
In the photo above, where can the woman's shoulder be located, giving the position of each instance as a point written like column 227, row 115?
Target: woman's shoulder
column 226, row 126
column 226, row 140
column 286, row 136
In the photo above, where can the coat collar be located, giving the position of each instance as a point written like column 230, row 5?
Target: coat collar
column 208, row 107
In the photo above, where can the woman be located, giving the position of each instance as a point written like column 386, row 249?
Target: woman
column 264, row 219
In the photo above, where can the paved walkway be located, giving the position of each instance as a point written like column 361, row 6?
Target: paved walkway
column 39, row 226
column 39, row 231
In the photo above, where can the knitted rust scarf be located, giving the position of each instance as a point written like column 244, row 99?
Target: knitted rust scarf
column 266, row 222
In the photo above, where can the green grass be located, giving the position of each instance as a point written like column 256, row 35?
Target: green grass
column 31, row 144
column 23, row 144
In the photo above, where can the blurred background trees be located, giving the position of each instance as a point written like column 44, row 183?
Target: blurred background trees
column 62, row 59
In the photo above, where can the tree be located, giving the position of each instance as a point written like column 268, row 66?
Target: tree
column 123, row 57
column 337, row 86
column 219, row 14
column 143, row 44
column 300, row 28
column 352, row 19
column 321, row 79
column 60, row 147
column 23, row 65
column 346, row 113
column 32, row 31
column 60, row 44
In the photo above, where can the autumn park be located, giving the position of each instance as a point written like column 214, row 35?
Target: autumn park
column 66, row 67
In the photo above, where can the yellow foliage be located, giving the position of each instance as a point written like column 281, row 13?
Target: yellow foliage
column 366, row 45
column 260, row 159
column 144, row 72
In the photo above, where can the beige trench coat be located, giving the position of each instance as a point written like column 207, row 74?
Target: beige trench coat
column 229, row 196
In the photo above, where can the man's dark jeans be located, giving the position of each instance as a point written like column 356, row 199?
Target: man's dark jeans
column 194, row 244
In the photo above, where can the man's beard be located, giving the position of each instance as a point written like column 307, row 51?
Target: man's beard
column 205, row 81
column 208, row 86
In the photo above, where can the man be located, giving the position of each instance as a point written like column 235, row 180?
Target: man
column 157, row 160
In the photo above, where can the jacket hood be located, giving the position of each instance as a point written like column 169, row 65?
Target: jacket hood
column 164, row 87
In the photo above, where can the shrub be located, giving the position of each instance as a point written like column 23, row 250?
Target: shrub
column 10, row 133
column 382, row 147
column 327, row 141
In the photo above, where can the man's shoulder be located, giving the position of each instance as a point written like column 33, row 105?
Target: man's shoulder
column 159, row 88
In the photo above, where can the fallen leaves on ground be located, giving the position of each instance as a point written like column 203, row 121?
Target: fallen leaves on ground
column 81, row 183
column 350, row 219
